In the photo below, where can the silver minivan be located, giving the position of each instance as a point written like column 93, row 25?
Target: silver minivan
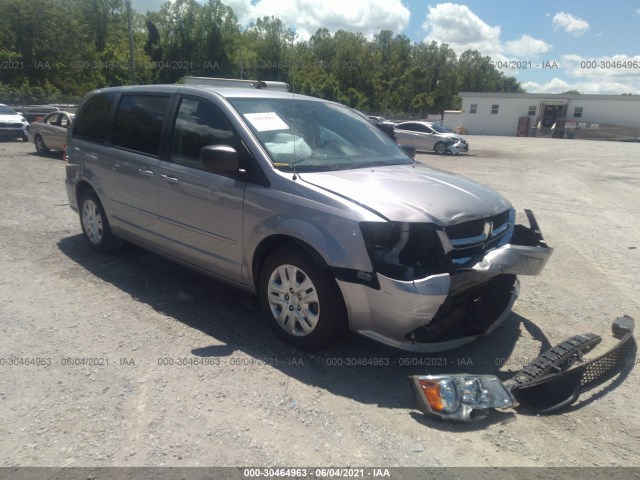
column 303, row 202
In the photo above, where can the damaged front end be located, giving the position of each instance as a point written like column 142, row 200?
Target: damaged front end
column 551, row 382
column 437, row 287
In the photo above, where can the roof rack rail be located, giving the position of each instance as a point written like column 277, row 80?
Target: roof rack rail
column 237, row 83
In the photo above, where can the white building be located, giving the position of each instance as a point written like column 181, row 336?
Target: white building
column 486, row 113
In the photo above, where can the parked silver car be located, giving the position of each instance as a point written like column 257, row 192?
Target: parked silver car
column 50, row 132
column 430, row 137
column 12, row 124
column 303, row 202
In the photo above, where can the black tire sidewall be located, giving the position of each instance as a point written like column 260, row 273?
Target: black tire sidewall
column 41, row 147
column 331, row 324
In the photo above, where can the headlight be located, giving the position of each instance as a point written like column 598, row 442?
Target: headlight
column 404, row 251
column 460, row 397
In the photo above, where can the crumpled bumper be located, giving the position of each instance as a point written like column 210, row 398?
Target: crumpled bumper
column 394, row 312
column 458, row 147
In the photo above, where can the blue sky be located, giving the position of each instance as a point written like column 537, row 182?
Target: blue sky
column 576, row 41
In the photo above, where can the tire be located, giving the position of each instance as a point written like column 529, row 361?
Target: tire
column 95, row 226
column 440, row 148
column 41, row 147
column 302, row 303
column 25, row 138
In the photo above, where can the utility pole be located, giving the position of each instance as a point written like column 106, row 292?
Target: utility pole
column 132, row 65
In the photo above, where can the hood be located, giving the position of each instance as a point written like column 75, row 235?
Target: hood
column 412, row 193
column 12, row 118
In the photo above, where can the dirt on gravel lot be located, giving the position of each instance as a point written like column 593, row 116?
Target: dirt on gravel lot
column 135, row 361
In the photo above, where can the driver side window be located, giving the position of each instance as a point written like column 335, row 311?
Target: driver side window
column 53, row 119
column 199, row 124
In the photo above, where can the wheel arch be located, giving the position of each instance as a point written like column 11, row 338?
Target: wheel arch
column 81, row 187
column 275, row 242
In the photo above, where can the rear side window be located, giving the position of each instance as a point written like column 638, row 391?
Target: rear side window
column 138, row 124
column 199, row 124
column 92, row 117
column 412, row 127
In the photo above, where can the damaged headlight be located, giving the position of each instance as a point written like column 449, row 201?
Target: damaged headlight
column 402, row 250
column 460, row 397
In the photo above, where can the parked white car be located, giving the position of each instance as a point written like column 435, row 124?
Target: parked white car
column 12, row 124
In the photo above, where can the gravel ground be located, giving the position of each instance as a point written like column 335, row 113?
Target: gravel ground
column 135, row 361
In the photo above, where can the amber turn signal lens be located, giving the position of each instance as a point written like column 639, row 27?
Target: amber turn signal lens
column 432, row 392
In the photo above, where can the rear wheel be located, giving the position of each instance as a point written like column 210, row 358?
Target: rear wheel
column 41, row 147
column 301, row 301
column 440, row 148
column 95, row 226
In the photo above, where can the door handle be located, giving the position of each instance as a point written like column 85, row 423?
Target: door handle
column 146, row 173
column 170, row 179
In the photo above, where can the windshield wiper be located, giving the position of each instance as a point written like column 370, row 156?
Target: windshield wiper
column 371, row 165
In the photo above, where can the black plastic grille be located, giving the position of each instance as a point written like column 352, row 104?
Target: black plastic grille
column 601, row 368
column 474, row 228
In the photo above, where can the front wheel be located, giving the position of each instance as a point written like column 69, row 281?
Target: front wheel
column 95, row 226
column 440, row 148
column 41, row 147
column 301, row 301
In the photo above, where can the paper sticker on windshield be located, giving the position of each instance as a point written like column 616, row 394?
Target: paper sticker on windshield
column 266, row 121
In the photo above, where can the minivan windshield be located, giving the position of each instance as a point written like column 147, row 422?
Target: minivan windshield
column 316, row 135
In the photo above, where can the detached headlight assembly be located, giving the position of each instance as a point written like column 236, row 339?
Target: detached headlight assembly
column 463, row 398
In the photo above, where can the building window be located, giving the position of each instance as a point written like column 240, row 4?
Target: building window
column 532, row 110
column 473, row 108
column 577, row 112
column 494, row 109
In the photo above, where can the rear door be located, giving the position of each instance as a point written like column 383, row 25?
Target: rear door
column 201, row 211
column 130, row 166
column 48, row 129
column 414, row 134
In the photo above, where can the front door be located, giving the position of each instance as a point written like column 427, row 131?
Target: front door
column 201, row 211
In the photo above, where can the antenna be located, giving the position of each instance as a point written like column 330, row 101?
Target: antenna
column 293, row 98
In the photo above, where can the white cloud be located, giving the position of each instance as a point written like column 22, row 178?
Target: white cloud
column 526, row 46
column 462, row 29
column 607, row 74
column 557, row 85
column 615, row 66
column 242, row 8
column 570, row 24
column 307, row 16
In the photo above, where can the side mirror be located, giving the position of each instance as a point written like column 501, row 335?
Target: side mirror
column 220, row 159
column 410, row 150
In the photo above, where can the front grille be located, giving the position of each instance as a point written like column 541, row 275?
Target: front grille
column 475, row 228
column 10, row 125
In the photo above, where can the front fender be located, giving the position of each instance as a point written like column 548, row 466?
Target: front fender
column 327, row 230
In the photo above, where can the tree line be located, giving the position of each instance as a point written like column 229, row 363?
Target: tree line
column 58, row 50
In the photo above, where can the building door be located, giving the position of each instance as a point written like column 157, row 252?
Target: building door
column 551, row 119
